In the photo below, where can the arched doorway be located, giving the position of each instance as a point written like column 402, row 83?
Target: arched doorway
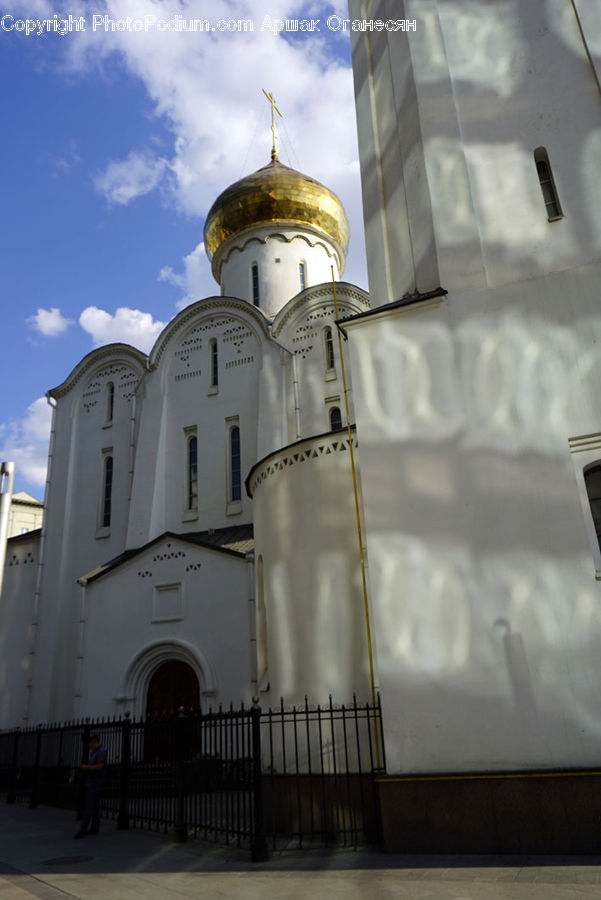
column 172, row 685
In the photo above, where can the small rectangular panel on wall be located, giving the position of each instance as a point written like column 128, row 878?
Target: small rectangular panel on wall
column 167, row 603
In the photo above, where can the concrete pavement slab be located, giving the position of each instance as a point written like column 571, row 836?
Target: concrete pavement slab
column 40, row 860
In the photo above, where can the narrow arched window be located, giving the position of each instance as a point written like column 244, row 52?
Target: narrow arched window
column 214, row 363
column 255, row 283
column 235, row 467
column 335, row 418
column 592, row 480
column 193, row 473
column 302, row 273
column 547, row 184
column 110, row 401
column 329, row 342
column 107, row 492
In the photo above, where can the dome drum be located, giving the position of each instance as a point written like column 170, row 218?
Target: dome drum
column 275, row 194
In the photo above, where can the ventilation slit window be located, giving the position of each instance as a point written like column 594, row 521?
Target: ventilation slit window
column 235, row 466
column 547, row 184
column 329, row 342
column 335, row 418
column 255, row 283
column 214, row 363
column 107, row 494
column 110, row 401
column 193, row 473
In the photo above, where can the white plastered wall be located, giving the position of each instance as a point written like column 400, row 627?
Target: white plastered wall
column 206, row 626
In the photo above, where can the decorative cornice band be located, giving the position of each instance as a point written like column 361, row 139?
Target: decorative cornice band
column 300, row 452
column 197, row 311
column 232, row 244
column 114, row 352
column 344, row 291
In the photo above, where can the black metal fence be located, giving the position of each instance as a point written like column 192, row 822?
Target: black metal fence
column 259, row 779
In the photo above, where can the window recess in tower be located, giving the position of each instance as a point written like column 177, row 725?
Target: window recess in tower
column 547, row 185
column 302, row 274
column 233, row 467
column 330, row 359
column 255, row 283
column 110, row 403
column 214, row 366
column 335, row 418
column 106, row 495
column 191, row 474
column 592, row 482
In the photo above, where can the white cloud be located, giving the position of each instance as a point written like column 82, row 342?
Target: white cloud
column 49, row 322
column 25, row 442
column 124, row 180
column 128, row 326
column 196, row 280
column 167, row 274
column 208, row 89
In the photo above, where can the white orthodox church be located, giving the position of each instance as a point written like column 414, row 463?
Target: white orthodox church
column 200, row 514
column 199, row 545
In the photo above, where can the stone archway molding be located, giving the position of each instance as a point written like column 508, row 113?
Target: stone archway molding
column 147, row 661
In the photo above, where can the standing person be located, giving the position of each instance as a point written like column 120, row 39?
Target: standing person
column 95, row 771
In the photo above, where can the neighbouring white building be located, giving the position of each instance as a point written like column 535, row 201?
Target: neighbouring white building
column 26, row 514
column 139, row 594
column 477, row 390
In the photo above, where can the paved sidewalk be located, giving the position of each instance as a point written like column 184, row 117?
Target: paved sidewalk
column 39, row 860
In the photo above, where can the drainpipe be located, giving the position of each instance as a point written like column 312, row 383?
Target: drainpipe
column 252, row 623
column 7, row 477
column 35, row 611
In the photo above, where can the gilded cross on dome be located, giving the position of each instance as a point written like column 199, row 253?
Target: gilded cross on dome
column 274, row 110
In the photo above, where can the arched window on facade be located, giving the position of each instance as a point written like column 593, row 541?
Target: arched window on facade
column 192, row 473
column 592, row 481
column 335, row 418
column 235, row 465
column 302, row 272
column 107, row 491
column 255, row 283
column 214, row 363
column 329, row 347
column 547, row 184
column 110, row 401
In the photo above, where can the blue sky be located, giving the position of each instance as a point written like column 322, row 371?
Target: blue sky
column 115, row 144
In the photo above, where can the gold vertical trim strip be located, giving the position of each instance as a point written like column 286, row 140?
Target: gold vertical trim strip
column 359, row 530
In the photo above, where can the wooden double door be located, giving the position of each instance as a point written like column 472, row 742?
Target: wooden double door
column 173, row 685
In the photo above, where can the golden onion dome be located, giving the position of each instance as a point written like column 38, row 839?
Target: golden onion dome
column 275, row 193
